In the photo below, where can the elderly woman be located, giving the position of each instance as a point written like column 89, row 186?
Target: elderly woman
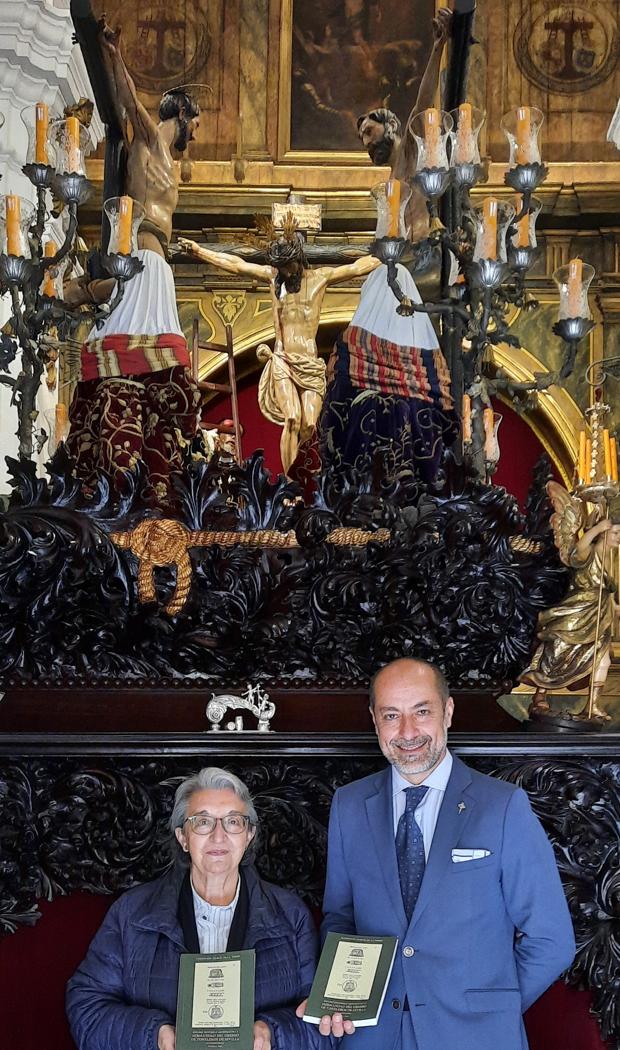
column 124, row 992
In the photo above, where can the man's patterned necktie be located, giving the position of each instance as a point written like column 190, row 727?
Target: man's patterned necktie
column 410, row 850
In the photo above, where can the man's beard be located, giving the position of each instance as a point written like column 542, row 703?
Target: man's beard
column 180, row 143
column 380, row 152
column 419, row 761
column 292, row 283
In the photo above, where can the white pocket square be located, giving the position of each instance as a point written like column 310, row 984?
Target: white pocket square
column 460, row 855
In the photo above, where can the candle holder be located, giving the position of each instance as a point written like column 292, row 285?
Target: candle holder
column 465, row 176
column 389, row 251
column 40, row 175
column 465, row 150
column 491, row 445
column 486, row 274
column 573, row 329
column 430, row 130
column 121, row 267
column 433, row 183
column 521, row 257
column 15, row 227
column 14, row 271
column 47, row 312
column 491, row 221
column 70, row 143
column 598, row 486
column 112, row 208
column 40, row 155
column 71, row 187
column 55, row 159
column 52, row 270
column 574, row 294
column 521, row 127
column 526, row 178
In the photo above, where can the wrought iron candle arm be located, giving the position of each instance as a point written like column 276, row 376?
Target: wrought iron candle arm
column 122, row 268
column 597, row 372
column 525, row 179
column 34, row 312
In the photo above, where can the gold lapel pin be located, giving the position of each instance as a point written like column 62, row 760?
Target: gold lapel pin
column 461, row 806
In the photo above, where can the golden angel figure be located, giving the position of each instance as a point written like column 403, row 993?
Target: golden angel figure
column 568, row 632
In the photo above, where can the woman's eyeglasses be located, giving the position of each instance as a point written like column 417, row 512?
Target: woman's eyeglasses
column 232, row 823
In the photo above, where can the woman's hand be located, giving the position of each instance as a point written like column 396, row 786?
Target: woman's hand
column 262, row 1036
column 166, row 1037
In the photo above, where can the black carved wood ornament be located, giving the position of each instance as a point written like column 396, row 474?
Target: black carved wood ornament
column 461, row 581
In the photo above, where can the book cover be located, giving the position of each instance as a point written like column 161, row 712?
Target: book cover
column 215, row 1001
column 351, row 978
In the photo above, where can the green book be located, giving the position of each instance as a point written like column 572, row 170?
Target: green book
column 351, row 978
column 215, row 1001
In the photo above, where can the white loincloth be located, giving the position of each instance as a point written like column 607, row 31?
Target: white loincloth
column 376, row 312
column 149, row 305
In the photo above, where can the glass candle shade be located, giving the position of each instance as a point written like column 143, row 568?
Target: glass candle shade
column 36, row 121
column 525, row 236
column 70, row 143
column 125, row 215
column 392, row 198
column 521, row 127
column 61, row 423
column 467, row 121
column 492, row 220
column 16, row 216
column 491, row 421
column 52, row 283
column 573, row 281
column 430, row 130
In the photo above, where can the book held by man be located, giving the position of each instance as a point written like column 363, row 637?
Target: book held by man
column 351, row 978
column 215, row 1001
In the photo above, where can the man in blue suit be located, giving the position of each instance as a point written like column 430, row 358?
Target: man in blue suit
column 456, row 865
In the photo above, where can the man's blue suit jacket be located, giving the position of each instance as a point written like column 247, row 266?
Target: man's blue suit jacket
column 488, row 935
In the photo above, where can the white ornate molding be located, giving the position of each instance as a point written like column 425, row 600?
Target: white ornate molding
column 38, row 61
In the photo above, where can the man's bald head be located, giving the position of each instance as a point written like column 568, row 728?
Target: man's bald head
column 403, row 666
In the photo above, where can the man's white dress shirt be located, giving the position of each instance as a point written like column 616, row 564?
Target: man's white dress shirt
column 427, row 812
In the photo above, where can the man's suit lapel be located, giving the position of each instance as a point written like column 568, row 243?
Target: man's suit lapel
column 381, row 820
column 451, row 822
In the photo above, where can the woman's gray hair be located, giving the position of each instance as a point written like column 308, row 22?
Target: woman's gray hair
column 209, row 779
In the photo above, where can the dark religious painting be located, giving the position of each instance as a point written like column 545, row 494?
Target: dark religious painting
column 349, row 56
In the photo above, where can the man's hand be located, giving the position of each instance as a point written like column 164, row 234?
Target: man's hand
column 166, row 1037
column 110, row 38
column 442, row 26
column 187, row 245
column 262, row 1036
column 334, row 1025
